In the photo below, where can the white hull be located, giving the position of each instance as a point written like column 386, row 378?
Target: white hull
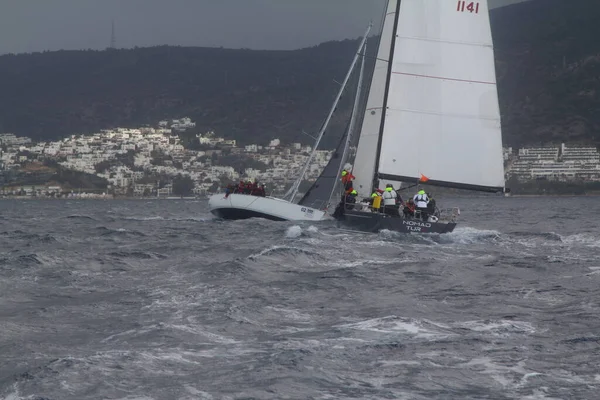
column 243, row 206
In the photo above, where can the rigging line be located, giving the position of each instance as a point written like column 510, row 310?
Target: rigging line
column 444, row 78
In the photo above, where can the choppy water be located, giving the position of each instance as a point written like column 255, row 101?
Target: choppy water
column 157, row 300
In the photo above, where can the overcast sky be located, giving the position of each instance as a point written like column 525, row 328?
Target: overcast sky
column 36, row 25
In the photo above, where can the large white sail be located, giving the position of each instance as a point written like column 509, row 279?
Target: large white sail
column 366, row 153
column 442, row 119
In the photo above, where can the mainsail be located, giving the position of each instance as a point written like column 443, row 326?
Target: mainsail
column 364, row 163
column 442, row 116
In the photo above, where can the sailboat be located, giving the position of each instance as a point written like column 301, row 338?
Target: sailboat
column 313, row 205
column 432, row 113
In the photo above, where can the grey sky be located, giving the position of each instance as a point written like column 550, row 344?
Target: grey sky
column 36, row 25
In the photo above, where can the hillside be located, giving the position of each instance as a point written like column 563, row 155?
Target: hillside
column 548, row 65
column 242, row 94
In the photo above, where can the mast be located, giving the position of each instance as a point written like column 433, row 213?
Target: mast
column 386, row 94
column 296, row 185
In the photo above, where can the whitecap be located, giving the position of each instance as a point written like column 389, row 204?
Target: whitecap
column 293, row 232
column 498, row 327
column 396, row 325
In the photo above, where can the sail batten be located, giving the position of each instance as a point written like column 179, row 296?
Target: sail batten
column 442, row 117
column 445, row 78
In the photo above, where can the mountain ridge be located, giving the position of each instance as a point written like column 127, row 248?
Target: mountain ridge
column 546, row 59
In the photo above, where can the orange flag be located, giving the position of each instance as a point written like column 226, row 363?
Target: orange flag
column 423, row 178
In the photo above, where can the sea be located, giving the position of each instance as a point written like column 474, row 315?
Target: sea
column 156, row 299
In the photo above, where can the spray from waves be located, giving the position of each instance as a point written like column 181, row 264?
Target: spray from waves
column 463, row 235
column 297, row 231
column 468, row 235
column 293, row 232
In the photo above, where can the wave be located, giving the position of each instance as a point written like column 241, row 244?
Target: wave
column 500, row 327
column 583, row 239
column 104, row 231
column 152, row 218
column 25, row 260
column 282, row 250
column 18, row 234
column 468, row 235
column 77, row 216
column 137, row 254
column 397, row 325
column 550, row 236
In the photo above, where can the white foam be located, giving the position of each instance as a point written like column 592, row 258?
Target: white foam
column 294, row 315
column 199, row 394
column 468, row 235
column 293, row 232
column 539, row 394
column 14, row 395
column 581, row 239
column 157, row 217
column 198, row 331
column 395, row 325
column 502, row 374
column 312, row 229
column 498, row 327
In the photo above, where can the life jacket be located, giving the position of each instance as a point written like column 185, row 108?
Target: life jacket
column 421, row 200
column 376, row 202
column 347, row 177
column 389, row 197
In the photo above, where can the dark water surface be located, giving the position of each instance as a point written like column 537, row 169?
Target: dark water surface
column 157, row 300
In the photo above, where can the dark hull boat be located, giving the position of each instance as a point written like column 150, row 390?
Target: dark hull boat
column 367, row 221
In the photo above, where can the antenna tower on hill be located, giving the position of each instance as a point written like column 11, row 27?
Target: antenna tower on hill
column 113, row 36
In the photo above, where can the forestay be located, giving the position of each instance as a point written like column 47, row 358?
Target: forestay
column 442, row 117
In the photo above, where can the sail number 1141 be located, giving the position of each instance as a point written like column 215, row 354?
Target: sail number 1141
column 470, row 6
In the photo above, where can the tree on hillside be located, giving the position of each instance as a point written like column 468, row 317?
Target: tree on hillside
column 183, row 185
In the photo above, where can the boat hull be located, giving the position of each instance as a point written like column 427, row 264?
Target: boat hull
column 243, row 206
column 375, row 222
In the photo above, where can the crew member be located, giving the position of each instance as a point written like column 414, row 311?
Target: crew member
column 431, row 206
column 389, row 200
column 376, row 201
column 421, row 200
column 351, row 199
column 409, row 208
column 347, row 179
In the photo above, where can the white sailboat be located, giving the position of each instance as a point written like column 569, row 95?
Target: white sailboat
column 313, row 205
column 432, row 109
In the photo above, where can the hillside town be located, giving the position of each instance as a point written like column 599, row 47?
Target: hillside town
column 147, row 161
